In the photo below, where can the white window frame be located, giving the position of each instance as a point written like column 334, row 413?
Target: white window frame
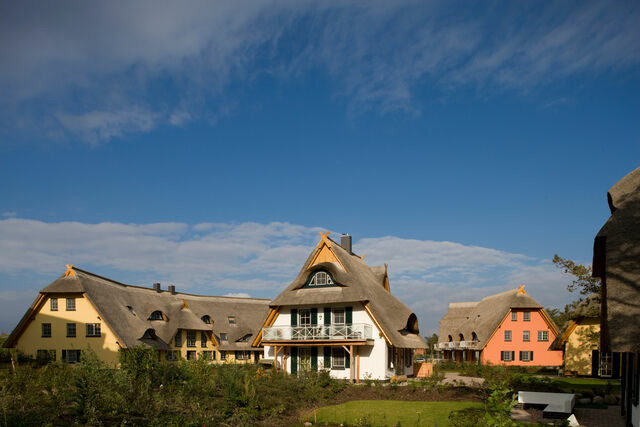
column 321, row 278
column 526, row 336
column 71, row 304
column 303, row 313
column 94, row 330
column 191, row 339
column 53, row 304
column 338, row 361
column 543, row 336
column 514, row 316
column 177, row 339
column 508, row 334
column 172, row 355
column 336, row 311
column 526, row 316
column 192, row 355
column 506, row 358
column 525, row 356
column 243, row 354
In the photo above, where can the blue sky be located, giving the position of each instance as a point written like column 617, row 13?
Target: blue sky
column 205, row 144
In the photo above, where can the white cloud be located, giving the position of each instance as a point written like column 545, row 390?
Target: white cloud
column 238, row 295
column 262, row 259
column 108, row 56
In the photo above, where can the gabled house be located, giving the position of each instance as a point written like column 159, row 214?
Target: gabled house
column 509, row 328
column 339, row 314
column 81, row 310
column 616, row 261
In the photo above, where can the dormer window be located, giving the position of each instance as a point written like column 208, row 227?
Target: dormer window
column 232, row 320
column 131, row 310
column 156, row 315
column 206, row 319
column 244, row 338
column 149, row 334
column 321, row 278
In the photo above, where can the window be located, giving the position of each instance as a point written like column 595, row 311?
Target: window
column 156, row 315
column 223, row 336
column 203, row 339
column 525, row 336
column 305, row 317
column 53, row 304
column 207, row 355
column 526, row 316
column 321, row 278
column 191, row 355
column 525, row 356
column 71, row 330
column 46, row 355
column 338, row 316
column 46, row 330
column 71, row 304
column 244, row 338
column 131, row 310
column 223, row 355
column 243, row 355
column 173, row 355
column 389, row 357
column 408, row 357
column 543, row 335
column 507, row 335
column 232, row 320
column 206, row 319
column 514, row 316
column 71, row 356
column 337, row 358
column 505, row 356
column 149, row 334
column 191, row 338
column 177, row 341
column 93, row 329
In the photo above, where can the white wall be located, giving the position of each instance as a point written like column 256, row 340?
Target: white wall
column 373, row 359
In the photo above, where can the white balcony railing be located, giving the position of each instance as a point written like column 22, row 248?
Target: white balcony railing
column 469, row 344
column 451, row 345
column 356, row 331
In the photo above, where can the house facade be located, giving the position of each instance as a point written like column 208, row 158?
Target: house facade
column 616, row 261
column 339, row 315
column 82, row 311
column 509, row 328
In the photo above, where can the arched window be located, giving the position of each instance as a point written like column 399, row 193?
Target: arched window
column 460, row 337
column 450, row 338
column 156, row 315
column 149, row 334
column 474, row 336
column 206, row 319
column 321, row 278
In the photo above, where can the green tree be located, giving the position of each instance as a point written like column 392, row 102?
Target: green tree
column 583, row 281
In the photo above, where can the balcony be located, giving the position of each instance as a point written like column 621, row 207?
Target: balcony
column 452, row 345
column 356, row 331
column 469, row 344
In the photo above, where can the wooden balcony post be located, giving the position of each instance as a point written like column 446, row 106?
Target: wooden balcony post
column 351, row 358
column 357, row 366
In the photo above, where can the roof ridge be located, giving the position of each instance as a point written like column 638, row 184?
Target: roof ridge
column 152, row 290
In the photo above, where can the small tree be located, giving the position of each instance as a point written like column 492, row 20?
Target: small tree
column 583, row 281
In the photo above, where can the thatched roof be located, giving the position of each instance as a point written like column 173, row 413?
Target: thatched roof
column 482, row 317
column 615, row 260
column 356, row 282
column 126, row 310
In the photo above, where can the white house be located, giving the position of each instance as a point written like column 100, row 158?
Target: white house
column 339, row 314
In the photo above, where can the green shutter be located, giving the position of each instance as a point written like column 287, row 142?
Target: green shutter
column 520, row 354
column 327, row 316
column 314, row 316
column 294, row 317
column 513, row 355
column 347, row 358
column 327, row 357
column 314, row 358
column 294, row 360
column 531, row 356
column 348, row 315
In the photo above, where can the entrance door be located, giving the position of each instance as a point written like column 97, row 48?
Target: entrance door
column 305, row 359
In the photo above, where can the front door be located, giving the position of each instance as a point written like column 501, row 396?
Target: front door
column 305, row 359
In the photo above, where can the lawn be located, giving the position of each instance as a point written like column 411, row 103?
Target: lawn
column 389, row 412
column 586, row 384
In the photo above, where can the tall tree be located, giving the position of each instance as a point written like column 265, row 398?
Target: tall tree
column 583, row 281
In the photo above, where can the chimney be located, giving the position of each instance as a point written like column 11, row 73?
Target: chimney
column 172, row 289
column 345, row 242
column 156, row 287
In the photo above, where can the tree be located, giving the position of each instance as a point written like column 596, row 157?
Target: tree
column 433, row 339
column 583, row 281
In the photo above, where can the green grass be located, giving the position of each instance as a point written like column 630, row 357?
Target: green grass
column 586, row 384
column 389, row 412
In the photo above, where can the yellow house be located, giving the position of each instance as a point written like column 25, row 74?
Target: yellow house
column 81, row 310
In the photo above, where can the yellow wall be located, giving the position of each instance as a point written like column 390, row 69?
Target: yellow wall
column 583, row 339
column 105, row 346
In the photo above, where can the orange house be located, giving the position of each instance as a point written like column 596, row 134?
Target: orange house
column 509, row 328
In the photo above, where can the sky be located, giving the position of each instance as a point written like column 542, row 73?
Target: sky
column 205, row 144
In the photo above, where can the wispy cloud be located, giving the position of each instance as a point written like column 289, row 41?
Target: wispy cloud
column 260, row 260
column 88, row 63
